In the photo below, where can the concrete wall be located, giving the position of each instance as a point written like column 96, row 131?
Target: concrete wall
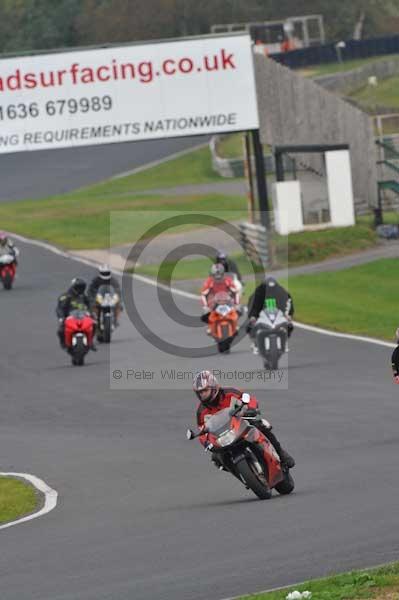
column 295, row 110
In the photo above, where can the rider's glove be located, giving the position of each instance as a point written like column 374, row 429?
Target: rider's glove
column 251, row 324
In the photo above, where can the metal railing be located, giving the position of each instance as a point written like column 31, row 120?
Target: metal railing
column 254, row 240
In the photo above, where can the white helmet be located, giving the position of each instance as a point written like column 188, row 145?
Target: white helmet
column 217, row 271
column 105, row 272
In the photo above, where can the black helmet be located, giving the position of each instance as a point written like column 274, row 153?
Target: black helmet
column 206, row 387
column 104, row 272
column 221, row 256
column 78, row 285
column 270, row 282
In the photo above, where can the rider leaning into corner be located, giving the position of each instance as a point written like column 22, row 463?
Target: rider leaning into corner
column 214, row 398
column 74, row 298
column 7, row 246
column 270, row 288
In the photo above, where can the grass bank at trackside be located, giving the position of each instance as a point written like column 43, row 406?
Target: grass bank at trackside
column 361, row 300
column 80, row 219
column 301, row 248
column 337, row 67
column 376, row 584
column 374, row 97
column 16, row 499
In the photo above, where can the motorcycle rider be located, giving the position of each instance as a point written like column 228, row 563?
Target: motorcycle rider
column 7, row 246
column 395, row 359
column 217, row 282
column 214, row 398
column 230, row 266
column 270, row 288
column 73, row 299
column 105, row 277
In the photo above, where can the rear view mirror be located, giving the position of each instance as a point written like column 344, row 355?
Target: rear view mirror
column 245, row 398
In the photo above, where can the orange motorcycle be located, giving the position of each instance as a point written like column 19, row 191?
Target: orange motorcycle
column 223, row 321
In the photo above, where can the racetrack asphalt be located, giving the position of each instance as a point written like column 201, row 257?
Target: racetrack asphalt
column 141, row 513
column 35, row 175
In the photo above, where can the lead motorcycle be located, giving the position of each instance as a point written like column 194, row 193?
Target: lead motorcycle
column 8, row 269
column 270, row 335
column 107, row 304
column 245, row 452
column 78, row 335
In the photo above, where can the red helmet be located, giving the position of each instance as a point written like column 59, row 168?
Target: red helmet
column 206, row 386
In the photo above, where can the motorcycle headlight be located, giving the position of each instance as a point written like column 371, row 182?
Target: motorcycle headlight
column 227, row 438
column 99, row 298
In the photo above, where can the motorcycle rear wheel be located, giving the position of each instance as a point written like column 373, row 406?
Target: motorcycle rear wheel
column 78, row 357
column 7, row 282
column 259, row 488
column 106, row 334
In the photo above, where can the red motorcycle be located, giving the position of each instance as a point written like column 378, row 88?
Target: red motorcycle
column 7, row 270
column 78, row 335
column 242, row 450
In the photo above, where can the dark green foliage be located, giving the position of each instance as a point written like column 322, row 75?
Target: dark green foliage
column 41, row 24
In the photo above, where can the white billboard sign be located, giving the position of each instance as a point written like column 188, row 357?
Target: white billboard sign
column 127, row 93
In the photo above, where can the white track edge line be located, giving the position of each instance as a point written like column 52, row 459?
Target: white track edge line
column 50, row 498
column 184, row 294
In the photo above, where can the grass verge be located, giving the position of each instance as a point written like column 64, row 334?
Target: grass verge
column 380, row 583
column 16, row 499
column 302, row 248
column 80, row 219
column 360, row 300
column 383, row 95
column 337, row 67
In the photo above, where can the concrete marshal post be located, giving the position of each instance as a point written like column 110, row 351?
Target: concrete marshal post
column 340, row 192
column 287, row 205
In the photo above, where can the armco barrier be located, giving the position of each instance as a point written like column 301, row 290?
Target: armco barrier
column 234, row 167
column 255, row 243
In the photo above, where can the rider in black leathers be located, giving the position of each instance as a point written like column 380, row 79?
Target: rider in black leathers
column 74, row 298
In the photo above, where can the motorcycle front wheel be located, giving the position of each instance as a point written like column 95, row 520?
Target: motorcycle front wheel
column 251, row 479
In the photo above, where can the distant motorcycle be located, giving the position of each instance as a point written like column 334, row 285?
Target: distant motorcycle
column 78, row 335
column 106, row 307
column 242, row 450
column 270, row 335
column 8, row 269
column 223, row 321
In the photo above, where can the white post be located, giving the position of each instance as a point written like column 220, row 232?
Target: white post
column 340, row 191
